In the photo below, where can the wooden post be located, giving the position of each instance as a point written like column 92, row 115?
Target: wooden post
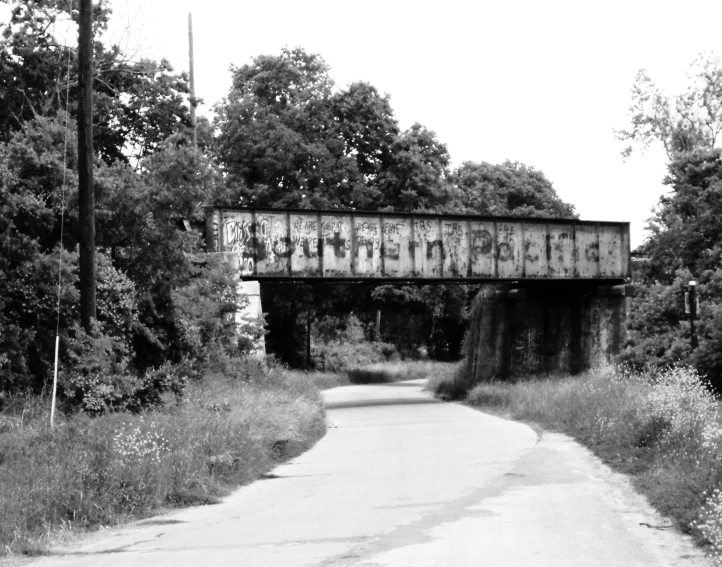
column 191, row 80
column 86, row 195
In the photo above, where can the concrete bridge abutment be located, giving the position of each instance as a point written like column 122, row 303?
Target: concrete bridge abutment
column 544, row 327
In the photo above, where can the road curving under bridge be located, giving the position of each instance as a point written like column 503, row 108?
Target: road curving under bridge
column 404, row 480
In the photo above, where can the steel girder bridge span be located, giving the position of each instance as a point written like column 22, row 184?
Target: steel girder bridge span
column 360, row 246
column 554, row 298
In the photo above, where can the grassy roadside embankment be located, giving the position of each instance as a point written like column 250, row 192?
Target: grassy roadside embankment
column 226, row 431
column 663, row 429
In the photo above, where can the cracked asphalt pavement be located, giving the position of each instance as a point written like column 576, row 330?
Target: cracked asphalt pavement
column 403, row 480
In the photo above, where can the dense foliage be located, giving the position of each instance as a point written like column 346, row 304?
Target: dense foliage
column 154, row 306
column 685, row 241
column 285, row 136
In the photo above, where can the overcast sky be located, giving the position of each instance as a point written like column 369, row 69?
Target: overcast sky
column 543, row 83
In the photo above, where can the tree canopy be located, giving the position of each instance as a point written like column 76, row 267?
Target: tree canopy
column 511, row 188
column 284, row 136
column 691, row 120
column 137, row 104
column 685, row 231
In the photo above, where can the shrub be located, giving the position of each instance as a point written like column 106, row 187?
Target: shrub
column 682, row 400
column 341, row 357
column 449, row 386
column 204, row 310
column 659, row 332
column 94, row 376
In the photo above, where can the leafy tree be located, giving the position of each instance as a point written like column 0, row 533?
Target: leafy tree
column 367, row 125
column 139, row 223
column 688, row 121
column 658, row 334
column 39, row 161
column 686, row 229
column 659, row 331
column 155, row 303
column 33, row 64
column 511, row 188
column 685, row 241
column 271, row 131
column 136, row 104
column 417, row 172
column 31, row 204
column 287, row 140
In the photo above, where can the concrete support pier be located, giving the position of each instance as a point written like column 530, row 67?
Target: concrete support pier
column 542, row 327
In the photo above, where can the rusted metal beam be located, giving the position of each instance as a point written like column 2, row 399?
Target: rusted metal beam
column 357, row 246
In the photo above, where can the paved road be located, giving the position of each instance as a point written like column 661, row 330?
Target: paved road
column 402, row 480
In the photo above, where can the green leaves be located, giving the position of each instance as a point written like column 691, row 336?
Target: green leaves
column 137, row 104
column 685, row 240
column 511, row 188
column 691, row 120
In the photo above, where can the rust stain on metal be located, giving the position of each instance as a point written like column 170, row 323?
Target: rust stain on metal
column 279, row 244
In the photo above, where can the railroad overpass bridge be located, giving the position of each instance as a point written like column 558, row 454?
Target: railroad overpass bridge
column 554, row 297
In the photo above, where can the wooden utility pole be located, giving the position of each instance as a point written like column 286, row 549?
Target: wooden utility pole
column 191, row 80
column 86, row 195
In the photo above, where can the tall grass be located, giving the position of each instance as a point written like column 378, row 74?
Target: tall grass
column 663, row 429
column 321, row 380
column 88, row 472
column 395, row 371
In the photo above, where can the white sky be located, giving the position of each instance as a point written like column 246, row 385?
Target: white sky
column 541, row 82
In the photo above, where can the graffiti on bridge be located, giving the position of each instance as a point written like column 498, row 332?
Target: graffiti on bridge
column 393, row 245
